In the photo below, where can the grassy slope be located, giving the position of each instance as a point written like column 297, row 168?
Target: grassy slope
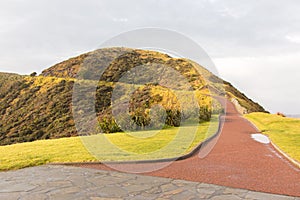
column 198, row 76
column 284, row 132
column 34, row 108
column 73, row 150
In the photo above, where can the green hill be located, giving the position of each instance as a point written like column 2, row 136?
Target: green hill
column 40, row 107
column 133, row 57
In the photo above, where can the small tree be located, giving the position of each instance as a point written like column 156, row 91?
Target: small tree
column 204, row 113
column 33, row 74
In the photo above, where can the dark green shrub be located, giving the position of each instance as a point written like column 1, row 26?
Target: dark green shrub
column 173, row 118
column 204, row 113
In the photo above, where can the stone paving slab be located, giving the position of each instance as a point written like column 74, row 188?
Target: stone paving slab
column 65, row 182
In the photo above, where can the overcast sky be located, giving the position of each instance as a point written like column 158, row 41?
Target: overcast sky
column 254, row 44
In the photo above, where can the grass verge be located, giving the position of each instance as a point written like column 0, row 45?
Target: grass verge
column 284, row 132
column 164, row 143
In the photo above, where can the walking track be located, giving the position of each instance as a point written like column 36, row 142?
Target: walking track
column 235, row 161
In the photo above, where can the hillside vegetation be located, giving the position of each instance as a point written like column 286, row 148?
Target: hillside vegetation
column 34, row 108
column 111, row 63
column 40, row 107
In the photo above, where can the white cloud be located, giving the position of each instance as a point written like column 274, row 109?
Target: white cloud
column 230, row 12
column 120, row 19
column 273, row 81
column 293, row 38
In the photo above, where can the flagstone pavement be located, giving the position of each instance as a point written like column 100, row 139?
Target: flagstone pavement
column 66, row 182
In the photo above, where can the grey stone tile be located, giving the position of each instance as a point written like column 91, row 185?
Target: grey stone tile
column 64, row 182
column 258, row 196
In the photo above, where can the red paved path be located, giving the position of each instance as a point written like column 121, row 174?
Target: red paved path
column 236, row 161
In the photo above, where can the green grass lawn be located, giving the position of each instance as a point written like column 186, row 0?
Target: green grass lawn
column 284, row 132
column 166, row 143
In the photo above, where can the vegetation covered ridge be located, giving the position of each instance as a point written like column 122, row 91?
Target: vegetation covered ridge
column 40, row 107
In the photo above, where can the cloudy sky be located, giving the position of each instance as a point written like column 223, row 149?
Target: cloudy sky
column 254, row 44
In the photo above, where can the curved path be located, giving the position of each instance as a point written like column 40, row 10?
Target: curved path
column 235, row 161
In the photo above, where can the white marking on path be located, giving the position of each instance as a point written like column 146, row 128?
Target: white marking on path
column 260, row 138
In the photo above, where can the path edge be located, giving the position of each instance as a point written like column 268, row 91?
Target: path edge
column 292, row 160
column 285, row 155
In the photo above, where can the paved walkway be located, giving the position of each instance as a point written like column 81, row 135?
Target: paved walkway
column 235, row 161
column 65, row 182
